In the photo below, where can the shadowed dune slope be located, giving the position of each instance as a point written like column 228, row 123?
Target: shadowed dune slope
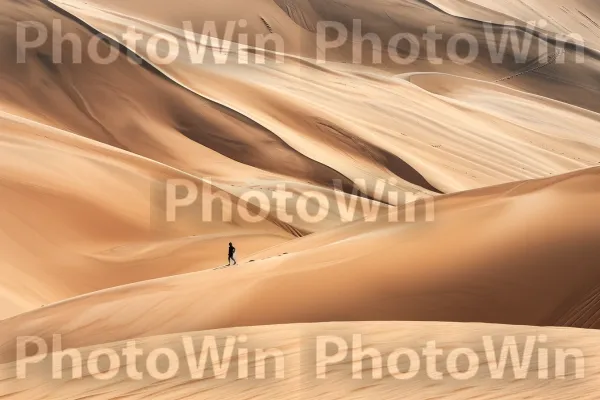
column 395, row 130
column 133, row 108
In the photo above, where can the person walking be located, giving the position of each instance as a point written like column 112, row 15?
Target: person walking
column 231, row 255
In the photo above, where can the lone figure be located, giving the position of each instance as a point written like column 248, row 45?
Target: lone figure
column 231, row 254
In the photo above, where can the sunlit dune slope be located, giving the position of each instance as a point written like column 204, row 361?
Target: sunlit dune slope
column 358, row 119
column 564, row 17
column 297, row 366
column 521, row 253
column 138, row 109
column 77, row 216
column 493, row 61
column 250, row 127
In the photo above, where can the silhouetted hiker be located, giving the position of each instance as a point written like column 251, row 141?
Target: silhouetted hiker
column 231, row 255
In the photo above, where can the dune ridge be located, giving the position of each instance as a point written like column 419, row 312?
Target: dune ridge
column 548, row 273
column 495, row 230
column 385, row 98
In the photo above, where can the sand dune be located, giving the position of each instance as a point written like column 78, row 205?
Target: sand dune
column 153, row 126
column 524, row 265
column 66, row 233
column 503, row 154
column 566, row 17
column 298, row 345
column 310, row 116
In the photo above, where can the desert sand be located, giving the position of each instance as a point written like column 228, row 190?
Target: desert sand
column 504, row 156
column 299, row 377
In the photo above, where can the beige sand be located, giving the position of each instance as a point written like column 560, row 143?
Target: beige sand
column 298, row 380
column 490, row 256
column 507, row 154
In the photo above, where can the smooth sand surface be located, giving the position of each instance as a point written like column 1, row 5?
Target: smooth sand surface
column 489, row 256
column 504, row 155
column 297, row 377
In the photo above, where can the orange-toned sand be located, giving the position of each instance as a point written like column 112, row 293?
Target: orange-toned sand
column 508, row 155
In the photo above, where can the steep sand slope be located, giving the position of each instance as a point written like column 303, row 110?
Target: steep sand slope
column 313, row 108
column 298, row 366
column 521, row 253
column 136, row 108
column 162, row 121
column 127, row 106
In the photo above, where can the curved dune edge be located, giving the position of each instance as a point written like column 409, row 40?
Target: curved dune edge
column 490, row 255
column 303, row 147
column 80, row 231
column 505, row 156
column 394, row 121
column 293, row 373
column 464, row 146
